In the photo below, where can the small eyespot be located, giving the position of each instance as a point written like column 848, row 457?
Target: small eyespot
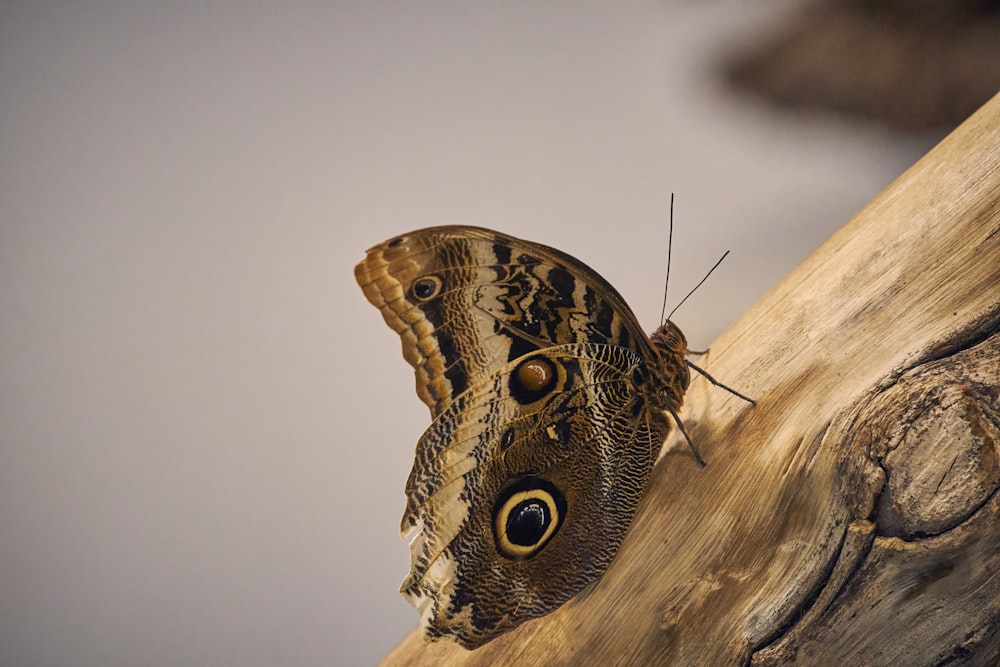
column 506, row 439
column 426, row 288
column 526, row 516
column 396, row 241
column 533, row 379
column 559, row 432
column 639, row 375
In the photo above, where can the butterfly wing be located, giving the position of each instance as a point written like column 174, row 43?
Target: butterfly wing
column 467, row 300
column 543, row 434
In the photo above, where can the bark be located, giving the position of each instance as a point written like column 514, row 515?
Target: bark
column 851, row 517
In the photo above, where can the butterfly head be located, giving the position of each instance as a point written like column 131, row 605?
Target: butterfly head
column 670, row 372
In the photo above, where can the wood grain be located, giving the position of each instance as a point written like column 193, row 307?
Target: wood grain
column 851, row 517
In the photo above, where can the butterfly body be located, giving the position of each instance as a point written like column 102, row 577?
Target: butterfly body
column 549, row 408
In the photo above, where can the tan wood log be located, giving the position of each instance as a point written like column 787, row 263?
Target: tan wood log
column 851, row 517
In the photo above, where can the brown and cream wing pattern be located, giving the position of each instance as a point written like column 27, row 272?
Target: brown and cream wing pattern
column 467, row 300
column 547, row 403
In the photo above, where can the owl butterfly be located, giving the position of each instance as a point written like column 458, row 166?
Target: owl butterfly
column 549, row 409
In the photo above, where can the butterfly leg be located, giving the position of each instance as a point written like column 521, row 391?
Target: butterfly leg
column 720, row 385
column 680, row 425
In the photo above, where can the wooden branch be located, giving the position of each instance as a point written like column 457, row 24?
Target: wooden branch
column 851, row 517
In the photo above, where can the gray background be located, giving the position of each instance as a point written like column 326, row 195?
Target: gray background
column 204, row 428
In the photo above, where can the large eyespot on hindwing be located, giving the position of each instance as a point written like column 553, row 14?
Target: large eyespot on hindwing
column 426, row 287
column 534, row 378
column 526, row 515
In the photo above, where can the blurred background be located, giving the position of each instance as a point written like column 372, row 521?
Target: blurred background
column 204, row 428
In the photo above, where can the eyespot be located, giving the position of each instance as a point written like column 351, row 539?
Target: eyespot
column 396, row 241
column 506, row 439
column 639, row 375
column 426, row 288
column 559, row 432
column 533, row 379
column 526, row 516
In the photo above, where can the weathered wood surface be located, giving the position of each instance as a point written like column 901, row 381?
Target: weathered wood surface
column 851, row 517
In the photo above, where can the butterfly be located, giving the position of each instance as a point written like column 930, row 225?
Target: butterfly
column 549, row 408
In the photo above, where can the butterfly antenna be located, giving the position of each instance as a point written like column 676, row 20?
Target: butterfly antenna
column 700, row 283
column 680, row 426
column 670, row 244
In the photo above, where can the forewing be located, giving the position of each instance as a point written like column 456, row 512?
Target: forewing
column 466, row 301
